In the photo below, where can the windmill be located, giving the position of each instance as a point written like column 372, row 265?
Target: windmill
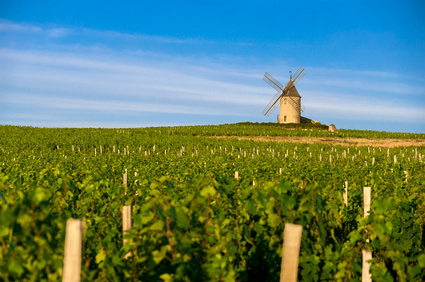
column 290, row 99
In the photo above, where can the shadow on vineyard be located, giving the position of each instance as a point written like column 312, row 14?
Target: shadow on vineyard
column 208, row 209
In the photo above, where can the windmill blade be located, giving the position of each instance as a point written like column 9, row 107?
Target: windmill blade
column 299, row 76
column 272, row 82
column 271, row 109
column 302, row 107
column 268, row 109
column 297, row 72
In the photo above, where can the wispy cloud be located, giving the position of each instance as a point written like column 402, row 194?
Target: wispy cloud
column 351, row 107
column 10, row 27
column 99, row 78
column 57, row 32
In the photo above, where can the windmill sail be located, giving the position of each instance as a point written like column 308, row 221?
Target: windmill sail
column 299, row 75
column 272, row 105
column 272, row 82
column 299, row 70
column 272, row 108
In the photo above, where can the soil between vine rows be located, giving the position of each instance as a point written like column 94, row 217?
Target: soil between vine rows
column 346, row 141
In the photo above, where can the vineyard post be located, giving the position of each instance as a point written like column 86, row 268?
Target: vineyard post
column 73, row 245
column 345, row 195
column 126, row 224
column 290, row 252
column 124, row 180
column 366, row 254
column 237, row 175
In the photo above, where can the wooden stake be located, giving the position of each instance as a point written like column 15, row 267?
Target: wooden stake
column 237, row 175
column 125, row 177
column 290, row 252
column 366, row 275
column 366, row 201
column 126, row 224
column 345, row 195
column 124, row 180
column 73, row 245
column 366, row 254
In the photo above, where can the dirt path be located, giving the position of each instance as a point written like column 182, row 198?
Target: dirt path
column 346, row 141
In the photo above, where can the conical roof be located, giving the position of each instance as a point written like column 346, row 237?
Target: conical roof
column 291, row 91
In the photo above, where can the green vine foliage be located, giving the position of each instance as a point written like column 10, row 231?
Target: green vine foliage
column 192, row 220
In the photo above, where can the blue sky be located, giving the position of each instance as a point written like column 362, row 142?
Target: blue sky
column 160, row 63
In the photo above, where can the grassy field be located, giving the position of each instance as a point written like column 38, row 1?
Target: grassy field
column 193, row 220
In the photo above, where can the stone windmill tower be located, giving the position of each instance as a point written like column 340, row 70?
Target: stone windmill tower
column 290, row 99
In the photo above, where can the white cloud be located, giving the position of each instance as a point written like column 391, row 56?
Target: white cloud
column 10, row 27
column 56, row 32
column 356, row 107
column 142, row 37
column 59, row 32
column 64, row 73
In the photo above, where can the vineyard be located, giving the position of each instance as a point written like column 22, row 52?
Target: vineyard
column 192, row 219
